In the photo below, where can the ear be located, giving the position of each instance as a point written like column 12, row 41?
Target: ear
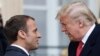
column 21, row 34
column 81, row 23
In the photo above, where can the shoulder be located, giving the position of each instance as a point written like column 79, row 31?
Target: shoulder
column 14, row 51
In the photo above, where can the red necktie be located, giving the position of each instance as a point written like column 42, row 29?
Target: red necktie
column 79, row 48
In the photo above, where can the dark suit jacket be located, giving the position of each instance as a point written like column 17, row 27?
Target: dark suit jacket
column 91, row 47
column 3, row 42
column 14, row 51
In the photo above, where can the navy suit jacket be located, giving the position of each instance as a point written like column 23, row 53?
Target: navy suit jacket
column 14, row 51
column 91, row 47
column 3, row 42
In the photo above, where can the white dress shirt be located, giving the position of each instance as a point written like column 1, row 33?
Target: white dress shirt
column 88, row 34
column 21, row 48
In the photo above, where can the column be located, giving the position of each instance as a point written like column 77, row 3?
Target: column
column 52, row 28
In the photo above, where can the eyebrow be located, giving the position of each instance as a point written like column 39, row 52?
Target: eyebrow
column 63, row 23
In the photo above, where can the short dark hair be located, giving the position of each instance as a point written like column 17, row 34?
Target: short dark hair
column 14, row 24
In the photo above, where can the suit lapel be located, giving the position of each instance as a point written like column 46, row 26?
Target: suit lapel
column 72, row 48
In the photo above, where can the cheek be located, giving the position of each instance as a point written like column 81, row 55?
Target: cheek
column 31, row 37
column 72, row 31
column 32, row 40
column 75, row 33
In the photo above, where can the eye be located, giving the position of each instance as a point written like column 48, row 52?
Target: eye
column 35, row 30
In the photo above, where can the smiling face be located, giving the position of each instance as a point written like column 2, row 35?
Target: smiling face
column 71, row 28
column 32, row 35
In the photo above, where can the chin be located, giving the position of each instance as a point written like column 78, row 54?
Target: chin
column 74, row 39
column 35, row 48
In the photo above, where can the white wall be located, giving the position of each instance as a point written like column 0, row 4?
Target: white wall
column 10, row 8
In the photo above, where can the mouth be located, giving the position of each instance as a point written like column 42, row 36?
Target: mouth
column 37, row 41
column 69, row 34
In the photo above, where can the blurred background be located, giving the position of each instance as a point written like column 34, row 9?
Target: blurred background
column 53, row 41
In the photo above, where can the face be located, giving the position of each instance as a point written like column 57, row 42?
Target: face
column 32, row 36
column 70, row 27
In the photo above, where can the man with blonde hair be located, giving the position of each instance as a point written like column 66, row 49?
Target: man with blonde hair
column 80, row 24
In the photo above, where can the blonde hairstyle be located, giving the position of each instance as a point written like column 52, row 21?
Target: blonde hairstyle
column 80, row 9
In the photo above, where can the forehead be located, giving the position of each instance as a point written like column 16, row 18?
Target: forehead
column 31, row 24
column 64, row 18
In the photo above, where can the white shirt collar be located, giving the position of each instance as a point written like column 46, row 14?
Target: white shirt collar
column 21, row 48
column 88, row 34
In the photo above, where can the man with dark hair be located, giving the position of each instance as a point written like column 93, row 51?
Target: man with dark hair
column 3, row 40
column 22, row 34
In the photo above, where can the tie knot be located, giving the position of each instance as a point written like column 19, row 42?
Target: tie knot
column 80, row 44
